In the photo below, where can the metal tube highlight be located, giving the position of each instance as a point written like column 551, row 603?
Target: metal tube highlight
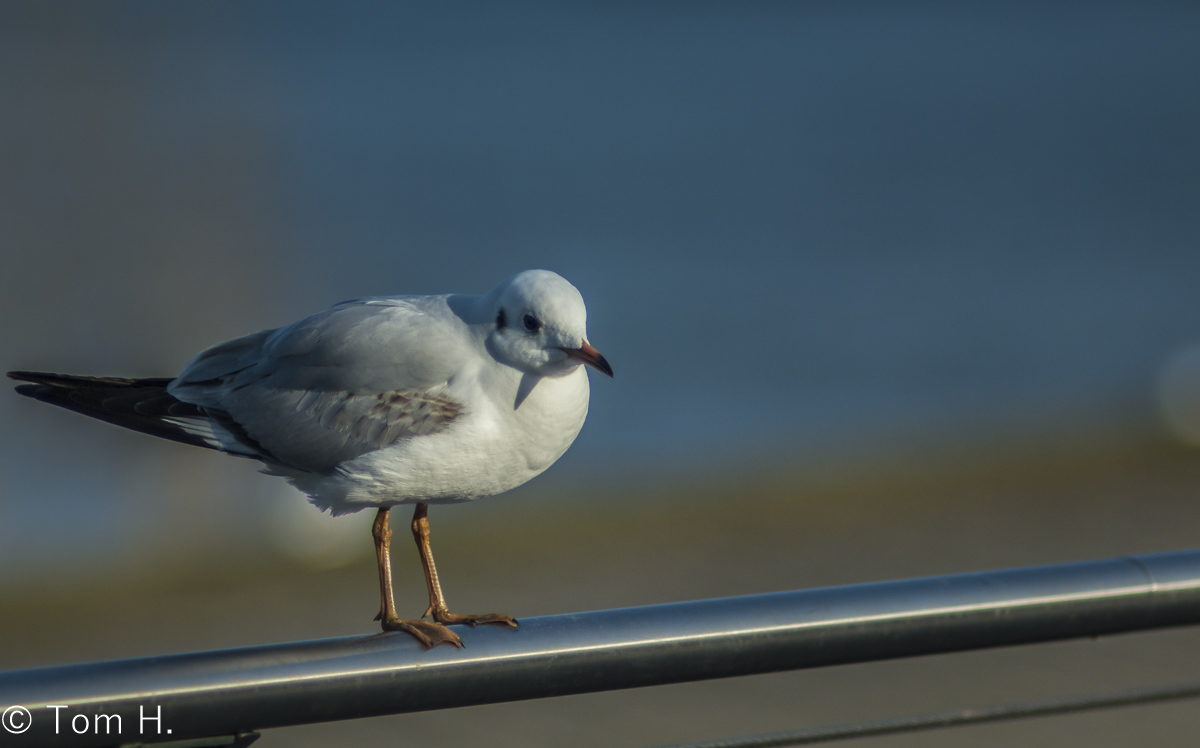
column 225, row 692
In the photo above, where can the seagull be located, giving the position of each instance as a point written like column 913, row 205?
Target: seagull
column 377, row 402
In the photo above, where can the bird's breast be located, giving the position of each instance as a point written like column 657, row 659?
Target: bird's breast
column 550, row 417
column 494, row 447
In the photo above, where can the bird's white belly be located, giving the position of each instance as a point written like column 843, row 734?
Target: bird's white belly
column 489, row 451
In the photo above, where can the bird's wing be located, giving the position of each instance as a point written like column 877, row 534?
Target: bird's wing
column 341, row 383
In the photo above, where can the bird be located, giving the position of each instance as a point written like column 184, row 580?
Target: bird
column 377, row 402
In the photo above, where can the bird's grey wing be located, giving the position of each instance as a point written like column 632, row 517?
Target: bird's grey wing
column 338, row 384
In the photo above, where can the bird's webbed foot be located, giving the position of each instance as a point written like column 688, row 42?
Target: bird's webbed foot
column 428, row 633
column 442, row 615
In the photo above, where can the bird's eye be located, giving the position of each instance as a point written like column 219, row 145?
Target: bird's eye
column 501, row 320
column 531, row 323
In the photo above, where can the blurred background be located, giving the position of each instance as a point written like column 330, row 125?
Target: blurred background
column 890, row 290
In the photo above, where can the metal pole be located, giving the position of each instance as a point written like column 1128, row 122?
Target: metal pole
column 226, row 692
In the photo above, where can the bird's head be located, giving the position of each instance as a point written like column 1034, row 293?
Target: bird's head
column 539, row 325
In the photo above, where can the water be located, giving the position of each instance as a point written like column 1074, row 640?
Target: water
column 795, row 225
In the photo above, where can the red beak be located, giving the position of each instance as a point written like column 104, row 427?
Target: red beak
column 590, row 356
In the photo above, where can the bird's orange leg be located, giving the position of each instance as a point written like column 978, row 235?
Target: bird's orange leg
column 428, row 633
column 437, row 602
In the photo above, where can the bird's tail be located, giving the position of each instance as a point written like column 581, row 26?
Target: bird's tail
column 139, row 404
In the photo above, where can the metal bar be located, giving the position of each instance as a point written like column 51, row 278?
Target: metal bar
column 232, row 691
column 959, row 718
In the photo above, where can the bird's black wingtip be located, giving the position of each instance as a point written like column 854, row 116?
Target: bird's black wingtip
column 36, row 377
column 35, row 382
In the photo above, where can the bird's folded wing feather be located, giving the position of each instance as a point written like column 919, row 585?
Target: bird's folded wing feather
column 338, row 384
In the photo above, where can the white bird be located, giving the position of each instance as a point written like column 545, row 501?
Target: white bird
column 377, row 402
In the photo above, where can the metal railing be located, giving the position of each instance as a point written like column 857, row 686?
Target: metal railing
column 233, row 691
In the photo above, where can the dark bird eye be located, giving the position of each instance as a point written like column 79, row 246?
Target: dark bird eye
column 501, row 320
column 531, row 323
